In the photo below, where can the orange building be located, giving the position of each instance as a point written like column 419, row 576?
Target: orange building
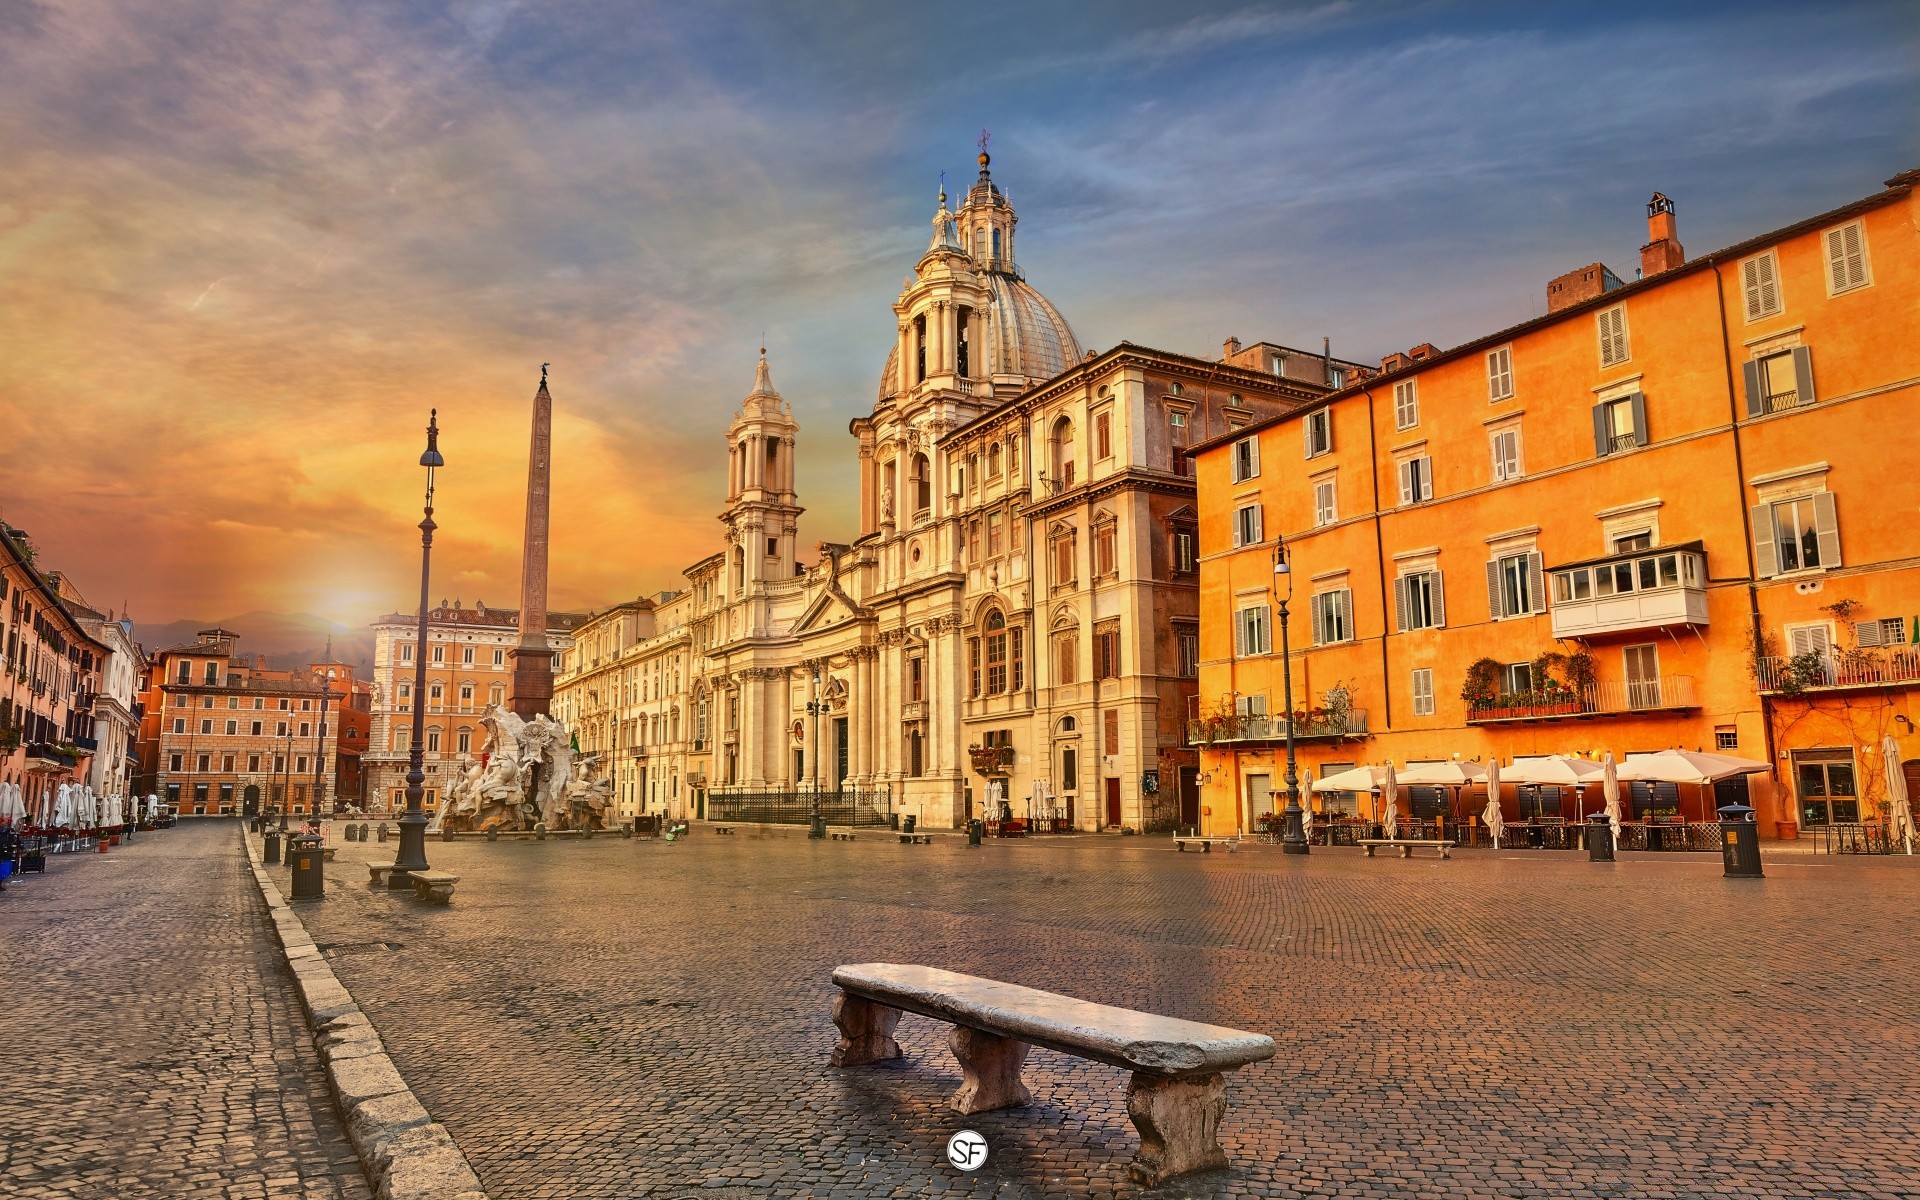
column 1675, row 512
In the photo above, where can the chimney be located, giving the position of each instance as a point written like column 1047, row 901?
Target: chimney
column 1583, row 284
column 1663, row 251
column 1423, row 352
column 1231, row 348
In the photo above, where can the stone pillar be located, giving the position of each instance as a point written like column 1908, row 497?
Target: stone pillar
column 906, row 356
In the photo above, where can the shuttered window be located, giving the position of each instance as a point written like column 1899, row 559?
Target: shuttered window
column 1500, row 375
column 1326, row 508
column 1888, row 631
column 1333, row 617
column 1516, row 586
column 1416, row 479
column 1506, row 454
column 1406, row 404
column 1614, row 347
column 1847, row 258
column 1778, row 382
column 1419, row 601
column 1423, row 692
column 1801, row 534
column 1760, row 283
column 1319, row 433
column 1250, row 631
column 1619, row 424
column 1246, row 459
column 1247, row 526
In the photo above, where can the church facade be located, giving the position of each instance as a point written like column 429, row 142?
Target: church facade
column 1017, row 621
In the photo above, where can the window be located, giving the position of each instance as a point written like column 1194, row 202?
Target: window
column 439, row 653
column 1177, row 440
column 434, row 694
column 400, row 740
column 406, row 652
column 1796, row 535
column 497, row 694
column 1333, row 617
column 996, row 653
column 1516, row 678
column 1500, row 375
column 1847, row 258
column 916, row 680
column 206, row 764
column 1106, row 650
column 233, row 727
column 499, row 658
column 1186, row 644
column 281, row 731
column 1760, row 282
column 1828, row 794
column 1726, row 737
column 973, row 540
column 466, row 695
column 466, row 655
column 1246, row 525
column 179, row 724
column 206, row 727
column 174, row 761
column 1416, row 479
column 1514, row 586
column 186, row 672
column 922, row 484
column 1628, row 543
column 1336, row 377
column 916, row 754
column 1103, row 435
column 253, row 762
column 1423, row 692
column 1103, row 556
column 1185, row 549
column 1251, row 632
column 1619, row 424
column 1780, row 381
column 255, row 730
column 1246, row 459
column 1063, row 558
column 1017, row 655
column 1326, row 508
column 1406, row 404
column 463, row 742
column 1419, row 601
column 1066, row 657
column 1888, row 631
column 1319, row 432
column 1063, row 456
column 305, row 729
column 1614, row 347
column 973, row 666
column 213, row 672
column 1506, row 454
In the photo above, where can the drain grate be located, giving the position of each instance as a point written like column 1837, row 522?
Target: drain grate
column 339, row 949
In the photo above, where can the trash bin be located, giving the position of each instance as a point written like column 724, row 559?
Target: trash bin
column 974, row 829
column 893, row 821
column 273, row 845
column 1599, row 838
column 1739, row 842
column 309, row 866
column 912, row 820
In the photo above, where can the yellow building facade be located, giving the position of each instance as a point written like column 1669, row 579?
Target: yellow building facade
column 1672, row 513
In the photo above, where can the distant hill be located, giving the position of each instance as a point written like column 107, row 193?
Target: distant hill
column 287, row 639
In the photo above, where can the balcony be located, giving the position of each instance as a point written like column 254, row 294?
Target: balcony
column 1316, row 725
column 47, row 756
column 1839, row 670
column 1630, row 593
column 1627, row 698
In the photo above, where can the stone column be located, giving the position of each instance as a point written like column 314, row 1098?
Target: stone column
column 906, row 356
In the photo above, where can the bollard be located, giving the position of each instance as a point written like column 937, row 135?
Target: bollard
column 308, row 861
column 1739, row 843
column 626, row 831
column 382, row 831
column 273, row 846
column 586, row 831
column 974, row 828
column 446, row 833
column 539, row 831
column 493, row 833
column 1599, row 838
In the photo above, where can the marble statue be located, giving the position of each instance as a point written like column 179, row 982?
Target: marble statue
column 528, row 773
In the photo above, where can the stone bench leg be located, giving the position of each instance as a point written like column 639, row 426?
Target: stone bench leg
column 1179, row 1124
column 866, row 1031
column 991, row 1066
column 1446, row 852
column 1370, row 850
column 1406, row 852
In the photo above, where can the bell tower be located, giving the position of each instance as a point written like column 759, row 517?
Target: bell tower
column 763, row 510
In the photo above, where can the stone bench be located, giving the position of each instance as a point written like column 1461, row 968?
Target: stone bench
column 1406, row 845
column 1206, row 844
column 842, row 837
column 327, row 852
column 916, row 839
column 723, row 829
column 1176, row 1097
column 434, row 886
column 379, row 871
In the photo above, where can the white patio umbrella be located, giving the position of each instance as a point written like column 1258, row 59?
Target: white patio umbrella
column 153, row 805
column 1306, row 822
column 1495, row 819
column 1357, row 779
column 15, row 806
column 1455, row 775
column 63, row 814
column 1898, row 802
column 1610, row 788
column 1390, row 804
column 1687, row 766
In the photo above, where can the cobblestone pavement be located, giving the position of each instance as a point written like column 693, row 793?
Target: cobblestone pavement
column 622, row 1019
column 153, row 1045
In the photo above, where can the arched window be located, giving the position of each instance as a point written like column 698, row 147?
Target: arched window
column 920, row 348
column 1063, row 463
column 996, row 243
column 993, row 461
column 916, row 754
column 922, row 483
column 996, row 653
column 963, row 343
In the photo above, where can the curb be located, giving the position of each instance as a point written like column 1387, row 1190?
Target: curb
column 406, row 1154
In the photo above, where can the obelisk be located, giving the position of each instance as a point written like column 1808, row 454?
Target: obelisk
column 532, row 687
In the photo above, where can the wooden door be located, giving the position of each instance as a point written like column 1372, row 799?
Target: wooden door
column 1643, row 676
column 1113, row 803
column 1190, row 797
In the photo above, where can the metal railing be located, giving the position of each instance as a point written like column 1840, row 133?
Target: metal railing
column 1856, row 838
column 1264, row 727
column 1839, row 669
column 849, row 806
column 1601, row 699
column 1782, row 401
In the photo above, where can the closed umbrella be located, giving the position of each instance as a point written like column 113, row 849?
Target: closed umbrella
column 1390, row 803
column 1610, row 788
column 1496, row 821
column 1898, row 805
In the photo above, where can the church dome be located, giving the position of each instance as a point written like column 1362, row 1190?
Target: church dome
column 1025, row 335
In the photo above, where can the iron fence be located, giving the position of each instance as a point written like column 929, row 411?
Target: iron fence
column 849, row 806
column 1675, row 835
column 1850, row 838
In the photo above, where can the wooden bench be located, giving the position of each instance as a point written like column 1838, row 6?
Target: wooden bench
column 916, row 839
column 1206, row 844
column 379, row 871
column 1406, row 845
column 1176, row 1096
column 435, row 886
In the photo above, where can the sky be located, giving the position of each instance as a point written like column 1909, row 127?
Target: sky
column 245, row 247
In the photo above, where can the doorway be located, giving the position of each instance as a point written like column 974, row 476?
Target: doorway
column 1113, row 802
column 839, row 753
column 1190, row 797
column 250, row 800
column 1643, row 676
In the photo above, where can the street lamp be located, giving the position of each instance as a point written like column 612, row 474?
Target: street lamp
column 286, row 772
column 413, row 826
column 817, row 827
column 1293, row 838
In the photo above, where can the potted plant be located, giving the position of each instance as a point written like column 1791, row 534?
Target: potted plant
column 1480, row 689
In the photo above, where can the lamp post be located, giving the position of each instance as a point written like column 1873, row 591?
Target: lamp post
column 817, row 827
column 320, row 747
column 1293, row 838
column 286, row 772
column 413, row 826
